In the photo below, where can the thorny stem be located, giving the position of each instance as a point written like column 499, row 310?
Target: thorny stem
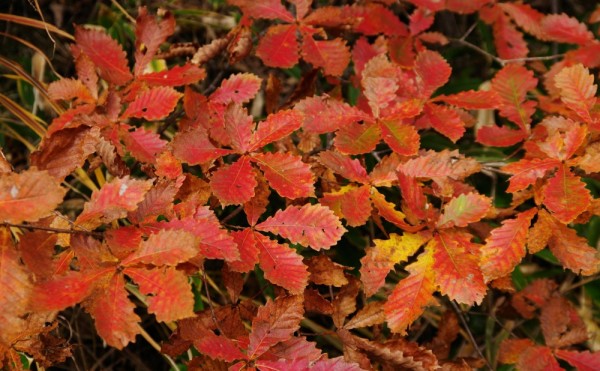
column 460, row 315
column 50, row 229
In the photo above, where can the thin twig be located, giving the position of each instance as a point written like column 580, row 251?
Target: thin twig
column 232, row 214
column 209, row 301
column 504, row 61
column 460, row 315
column 50, row 229
column 157, row 347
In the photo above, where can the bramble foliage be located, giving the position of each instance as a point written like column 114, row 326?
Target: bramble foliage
column 361, row 210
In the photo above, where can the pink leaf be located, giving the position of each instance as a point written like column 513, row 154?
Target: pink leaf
column 279, row 46
column 105, row 53
column 238, row 88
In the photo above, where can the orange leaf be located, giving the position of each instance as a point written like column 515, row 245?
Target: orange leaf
column 463, row 210
column 113, row 201
column 286, row 174
column 150, row 33
column 315, row 226
column 512, row 84
column 238, row 88
column 411, row 295
column 171, row 295
column 526, row 172
column 277, row 126
column 167, row 247
column 472, row 99
column 345, row 166
column 577, row 89
column 323, row 114
column 457, row 267
column 28, row 196
column 355, row 138
column 113, row 314
column 234, row 184
column 143, row 144
column 402, row 138
column 565, row 29
column 351, row 203
column 248, row 250
column 505, row 247
column 194, row 147
column 445, row 121
column 566, row 196
column 433, row 71
column 582, row 361
column 573, row 251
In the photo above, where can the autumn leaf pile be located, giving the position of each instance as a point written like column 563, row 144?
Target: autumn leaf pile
column 325, row 231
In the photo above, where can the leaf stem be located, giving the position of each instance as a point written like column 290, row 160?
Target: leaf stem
column 461, row 316
column 50, row 229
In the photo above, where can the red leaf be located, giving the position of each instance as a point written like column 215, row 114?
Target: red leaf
column 500, row 136
column 194, row 147
column 402, row 138
column 176, row 76
column 214, row 242
column 275, row 322
column 171, row 297
column 472, row 99
column 238, row 125
column 143, row 144
column 248, row 251
column 526, row 172
column 113, row 201
column 238, row 88
column 445, row 121
column 158, row 201
column 279, row 46
column 153, row 104
column 234, row 184
column 573, row 251
column 566, row 196
column 106, row 53
column 356, row 139
column 411, row 295
column 463, row 210
column 565, row 29
column 457, row 268
column 433, row 71
column 217, row 347
column 351, row 203
column 374, row 19
column 37, row 251
column 583, row 361
column 314, row 226
column 150, row 32
column 512, row 84
column 525, row 17
column 509, row 42
column 505, row 247
column 276, row 126
column 577, row 89
column 286, row 174
column 412, row 195
column 538, row 358
column 68, row 290
column 420, row 20
column 511, row 349
column 65, row 151
column 167, row 247
column 267, row 9
column 345, row 166
column 116, row 322
column 331, row 55
column 282, row 265
column 323, row 114
column 28, row 196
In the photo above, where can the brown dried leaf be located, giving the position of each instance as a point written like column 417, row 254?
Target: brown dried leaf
column 314, row 302
column 371, row 314
column 325, row 272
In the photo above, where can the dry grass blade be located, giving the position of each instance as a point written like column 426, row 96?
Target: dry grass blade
column 35, row 23
column 30, row 120
column 18, row 70
column 34, row 48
